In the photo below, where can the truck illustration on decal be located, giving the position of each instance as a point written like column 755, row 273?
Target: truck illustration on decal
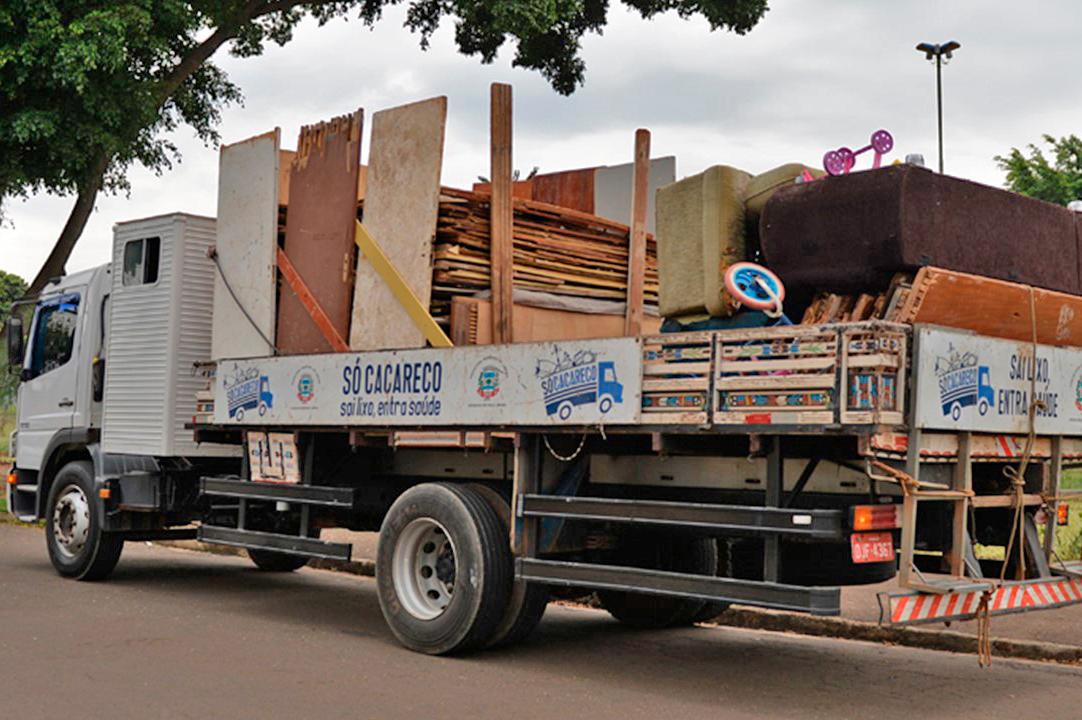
column 579, row 379
column 962, row 383
column 249, row 390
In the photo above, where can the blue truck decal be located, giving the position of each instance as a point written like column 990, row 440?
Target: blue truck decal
column 249, row 391
column 576, row 380
column 962, row 383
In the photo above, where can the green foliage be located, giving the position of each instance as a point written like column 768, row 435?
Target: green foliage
column 1058, row 181
column 87, row 88
column 12, row 287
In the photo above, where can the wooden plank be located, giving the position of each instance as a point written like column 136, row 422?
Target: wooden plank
column 246, row 243
column 319, row 231
column 471, row 323
column 310, row 303
column 636, row 267
column 401, row 205
column 501, row 249
column 403, row 294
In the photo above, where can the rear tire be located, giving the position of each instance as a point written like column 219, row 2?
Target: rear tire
column 270, row 561
column 78, row 547
column 675, row 553
column 443, row 569
column 528, row 601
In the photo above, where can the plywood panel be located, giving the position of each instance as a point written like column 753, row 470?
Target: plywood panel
column 248, row 191
column 471, row 323
column 613, row 187
column 319, row 231
column 996, row 308
column 400, row 208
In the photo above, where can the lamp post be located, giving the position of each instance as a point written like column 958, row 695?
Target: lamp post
column 939, row 52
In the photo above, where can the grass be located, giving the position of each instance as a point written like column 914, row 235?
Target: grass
column 7, row 424
column 1069, row 538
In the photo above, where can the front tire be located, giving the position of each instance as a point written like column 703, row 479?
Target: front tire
column 78, row 547
column 443, row 569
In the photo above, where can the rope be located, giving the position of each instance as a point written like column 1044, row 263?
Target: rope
column 213, row 255
column 1017, row 475
column 984, row 630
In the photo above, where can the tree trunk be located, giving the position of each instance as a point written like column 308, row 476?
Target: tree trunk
column 73, row 228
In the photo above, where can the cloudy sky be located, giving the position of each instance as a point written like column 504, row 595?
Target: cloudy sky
column 812, row 76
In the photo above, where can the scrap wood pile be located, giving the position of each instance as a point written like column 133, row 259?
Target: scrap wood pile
column 556, row 250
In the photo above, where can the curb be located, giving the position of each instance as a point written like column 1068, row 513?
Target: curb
column 942, row 640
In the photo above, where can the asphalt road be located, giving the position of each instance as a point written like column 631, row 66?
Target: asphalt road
column 176, row 634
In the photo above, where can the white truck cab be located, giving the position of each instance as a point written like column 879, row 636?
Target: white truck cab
column 60, row 396
column 108, row 366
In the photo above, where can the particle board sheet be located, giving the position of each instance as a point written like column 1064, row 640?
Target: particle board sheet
column 401, row 205
column 248, row 191
column 320, row 229
column 995, row 308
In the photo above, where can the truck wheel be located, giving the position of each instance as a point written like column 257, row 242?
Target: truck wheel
column 693, row 555
column 443, row 569
column 270, row 561
column 565, row 410
column 78, row 547
column 528, row 601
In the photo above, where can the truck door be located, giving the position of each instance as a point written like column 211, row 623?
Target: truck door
column 47, row 394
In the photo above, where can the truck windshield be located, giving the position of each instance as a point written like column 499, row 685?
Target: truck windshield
column 54, row 334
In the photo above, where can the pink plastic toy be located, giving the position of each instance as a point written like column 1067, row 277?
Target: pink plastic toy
column 842, row 160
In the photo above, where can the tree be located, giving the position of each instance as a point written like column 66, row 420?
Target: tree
column 1032, row 174
column 87, row 88
column 12, row 287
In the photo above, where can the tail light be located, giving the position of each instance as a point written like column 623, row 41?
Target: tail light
column 1063, row 514
column 875, row 517
column 13, row 479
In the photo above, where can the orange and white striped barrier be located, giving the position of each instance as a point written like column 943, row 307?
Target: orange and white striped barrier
column 911, row 607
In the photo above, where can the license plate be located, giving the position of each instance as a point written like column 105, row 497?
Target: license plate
column 872, row 547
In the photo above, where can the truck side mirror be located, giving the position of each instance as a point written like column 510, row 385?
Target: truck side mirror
column 15, row 341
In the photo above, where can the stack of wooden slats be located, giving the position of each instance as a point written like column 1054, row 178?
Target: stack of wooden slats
column 556, row 250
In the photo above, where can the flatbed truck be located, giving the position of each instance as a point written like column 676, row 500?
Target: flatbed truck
column 671, row 475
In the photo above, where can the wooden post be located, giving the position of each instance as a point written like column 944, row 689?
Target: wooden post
column 501, row 248
column 636, row 261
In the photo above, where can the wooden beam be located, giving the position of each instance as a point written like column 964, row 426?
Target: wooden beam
column 310, row 304
column 501, row 250
column 400, row 289
column 636, row 266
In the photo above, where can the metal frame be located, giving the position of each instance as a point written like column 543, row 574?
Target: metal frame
column 288, row 544
column 816, row 600
column 821, row 524
column 279, row 492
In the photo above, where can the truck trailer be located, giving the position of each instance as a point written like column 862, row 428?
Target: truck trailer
column 670, row 474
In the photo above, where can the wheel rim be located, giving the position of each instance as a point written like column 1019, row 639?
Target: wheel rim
column 71, row 521
column 423, row 569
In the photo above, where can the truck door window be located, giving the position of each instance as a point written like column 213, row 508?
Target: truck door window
column 54, row 334
column 141, row 259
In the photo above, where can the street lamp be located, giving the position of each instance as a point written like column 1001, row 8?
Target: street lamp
column 939, row 52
